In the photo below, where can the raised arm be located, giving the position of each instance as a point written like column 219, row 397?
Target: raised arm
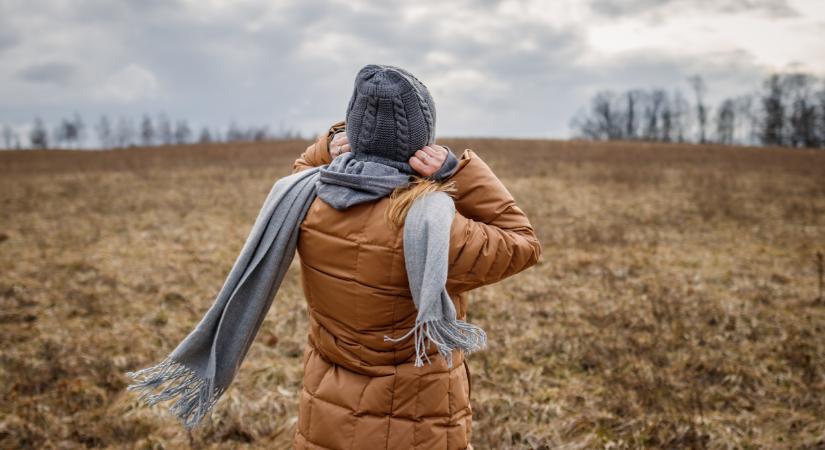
column 317, row 154
column 491, row 237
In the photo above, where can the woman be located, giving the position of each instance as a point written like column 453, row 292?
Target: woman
column 361, row 391
column 386, row 290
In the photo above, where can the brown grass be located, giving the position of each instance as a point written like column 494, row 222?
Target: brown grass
column 673, row 307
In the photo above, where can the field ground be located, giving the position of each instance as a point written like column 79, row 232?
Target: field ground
column 675, row 305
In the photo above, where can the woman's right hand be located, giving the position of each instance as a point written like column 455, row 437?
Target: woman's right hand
column 339, row 144
column 428, row 160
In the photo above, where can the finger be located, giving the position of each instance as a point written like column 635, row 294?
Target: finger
column 419, row 166
column 441, row 156
column 337, row 138
column 430, row 151
column 432, row 161
column 423, row 168
column 437, row 156
column 423, row 155
column 345, row 148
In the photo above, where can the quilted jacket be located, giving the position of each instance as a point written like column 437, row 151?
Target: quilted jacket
column 360, row 392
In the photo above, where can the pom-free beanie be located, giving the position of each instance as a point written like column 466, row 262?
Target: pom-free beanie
column 390, row 116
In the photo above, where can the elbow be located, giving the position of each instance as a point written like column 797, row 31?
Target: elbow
column 529, row 256
column 535, row 252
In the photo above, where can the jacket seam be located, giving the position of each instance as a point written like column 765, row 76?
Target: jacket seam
column 358, row 406
column 389, row 293
column 392, row 406
column 449, row 404
column 430, row 417
column 415, row 413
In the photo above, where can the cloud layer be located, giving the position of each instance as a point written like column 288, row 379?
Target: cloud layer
column 511, row 68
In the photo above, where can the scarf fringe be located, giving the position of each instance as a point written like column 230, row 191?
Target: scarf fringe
column 447, row 335
column 194, row 400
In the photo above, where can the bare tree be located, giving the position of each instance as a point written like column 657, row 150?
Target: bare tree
column 631, row 122
column 788, row 110
column 38, row 136
column 165, row 134
column 67, row 132
column 70, row 132
column 653, row 111
column 80, row 130
column 725, row 122
column 206, row 136
column 699, row 90
column 147, row 132
column 745, row 121
column 182, row 132
column 260, row 134
column 285, row 132
column 802, row 111
column 603, row 120
column 234, row 133
column 104, row 132
column 820, row 100
column 681, row 116
column 773, row 109
column 9, row 137
column 666, row 134
column 125, row 134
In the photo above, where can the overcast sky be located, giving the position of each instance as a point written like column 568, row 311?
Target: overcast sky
column 509, row 68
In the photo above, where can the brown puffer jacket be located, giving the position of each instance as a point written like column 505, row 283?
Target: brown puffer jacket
column 360, row 392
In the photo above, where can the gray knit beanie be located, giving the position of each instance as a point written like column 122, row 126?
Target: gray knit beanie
column 390, row 115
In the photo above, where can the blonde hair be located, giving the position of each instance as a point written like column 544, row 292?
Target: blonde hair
column 403, row 197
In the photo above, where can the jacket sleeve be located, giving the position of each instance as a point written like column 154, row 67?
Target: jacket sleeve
column 317, row 154
column 491, row 237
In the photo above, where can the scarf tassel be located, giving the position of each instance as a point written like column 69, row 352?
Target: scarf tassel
column 194, row 400
column 447, row 335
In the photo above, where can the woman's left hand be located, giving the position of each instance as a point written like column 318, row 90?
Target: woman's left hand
column 428, row 160
column 339, row 145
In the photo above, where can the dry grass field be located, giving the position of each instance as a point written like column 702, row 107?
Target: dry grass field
column 676, row 304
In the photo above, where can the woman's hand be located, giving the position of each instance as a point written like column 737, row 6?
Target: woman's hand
column 428, row 160
column 339, row 145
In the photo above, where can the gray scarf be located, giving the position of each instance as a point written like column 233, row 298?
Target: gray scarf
column 203, row 365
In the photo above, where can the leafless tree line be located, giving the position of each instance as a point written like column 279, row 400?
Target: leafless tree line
column 123, row 132
column 788, row 110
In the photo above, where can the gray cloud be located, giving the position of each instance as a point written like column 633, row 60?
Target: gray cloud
column 772, row 8
column 56, row 72
column 8, row 39
column 492, row 72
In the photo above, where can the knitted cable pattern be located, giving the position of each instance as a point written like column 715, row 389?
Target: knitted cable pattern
column 369, row 123
column 428, row 116
column 402, row 128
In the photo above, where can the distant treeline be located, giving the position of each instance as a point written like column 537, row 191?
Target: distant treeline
column 74, row 132
column 788, row 110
